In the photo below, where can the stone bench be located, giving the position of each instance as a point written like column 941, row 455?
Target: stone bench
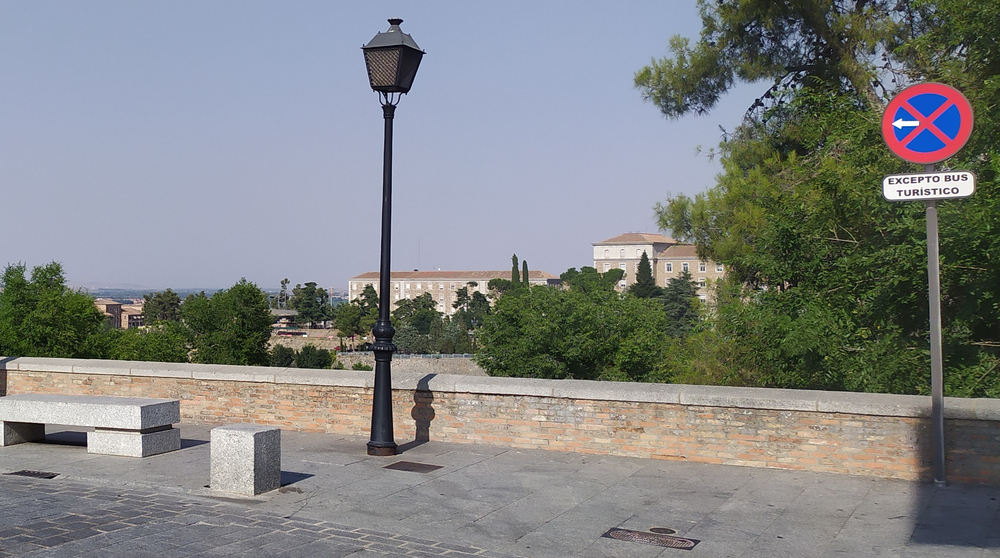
column 245, row 459
column 126, row 426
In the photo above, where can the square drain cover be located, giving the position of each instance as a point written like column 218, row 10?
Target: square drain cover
column 34, row 474
column 655, row 539
column 413, row 467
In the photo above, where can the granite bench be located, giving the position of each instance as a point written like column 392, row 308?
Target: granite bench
column 126, row 426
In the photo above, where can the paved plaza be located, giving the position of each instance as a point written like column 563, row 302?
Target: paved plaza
column 457, row 500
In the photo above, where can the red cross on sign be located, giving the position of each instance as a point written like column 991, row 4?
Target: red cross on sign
column 927, row 123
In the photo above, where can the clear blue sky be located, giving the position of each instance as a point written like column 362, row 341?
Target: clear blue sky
column 189, row 143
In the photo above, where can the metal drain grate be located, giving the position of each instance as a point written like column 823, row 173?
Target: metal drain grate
column 34, row 474
column 655, row 539
column 413, row 467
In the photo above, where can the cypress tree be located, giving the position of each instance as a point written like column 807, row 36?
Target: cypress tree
column 645, row 285
column 524, row 272
column 514, row 278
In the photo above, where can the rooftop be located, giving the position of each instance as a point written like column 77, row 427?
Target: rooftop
column 453, row 275
column 637, row 238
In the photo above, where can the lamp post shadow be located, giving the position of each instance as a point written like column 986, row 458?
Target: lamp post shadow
column 422, row 413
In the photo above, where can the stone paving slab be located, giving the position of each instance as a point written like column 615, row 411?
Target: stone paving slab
column 483, row 501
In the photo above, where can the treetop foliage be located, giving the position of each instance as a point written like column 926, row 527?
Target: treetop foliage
column 827, row 281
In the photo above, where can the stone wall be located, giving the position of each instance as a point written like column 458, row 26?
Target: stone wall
column 862, row 434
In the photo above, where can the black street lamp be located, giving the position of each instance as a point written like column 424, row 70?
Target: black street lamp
column 392, row 59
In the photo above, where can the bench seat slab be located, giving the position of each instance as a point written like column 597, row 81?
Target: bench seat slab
column 96, row 411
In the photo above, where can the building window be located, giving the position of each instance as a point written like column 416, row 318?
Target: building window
column 607, row 266
column 701, row 282
column 638, row 253
column 702, row 267
column 407, row 285
column 621, row 266
column 670, row 267
column 440, row 286
column 621, row 253
column 607, row 253
column 418, row 285
column 684, row 267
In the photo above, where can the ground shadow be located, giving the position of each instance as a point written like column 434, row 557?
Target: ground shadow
column 186, row 443
column 288, row 477
column 65, row 438
column 422, row 413
column 956, row 513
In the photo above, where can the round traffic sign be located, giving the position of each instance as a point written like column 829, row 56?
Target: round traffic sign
column 927, row 123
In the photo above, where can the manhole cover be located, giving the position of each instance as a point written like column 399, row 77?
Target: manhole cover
column 412, row 467
column 34, row 474
column 655, row 539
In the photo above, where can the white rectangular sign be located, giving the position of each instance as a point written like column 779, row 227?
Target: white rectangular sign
column 929, row 186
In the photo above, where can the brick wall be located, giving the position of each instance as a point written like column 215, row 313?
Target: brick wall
column 862, row 434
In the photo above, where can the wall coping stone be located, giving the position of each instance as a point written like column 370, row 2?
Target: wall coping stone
column 874, row 404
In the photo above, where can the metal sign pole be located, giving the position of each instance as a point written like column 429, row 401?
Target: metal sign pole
column 937, row 364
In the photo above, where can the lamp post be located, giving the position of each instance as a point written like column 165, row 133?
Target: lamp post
column 392, row 59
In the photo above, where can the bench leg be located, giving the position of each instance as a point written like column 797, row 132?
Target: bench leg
column 19, row 432
column 133, row 443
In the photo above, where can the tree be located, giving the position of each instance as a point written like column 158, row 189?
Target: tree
column 420, row 312
column 514, row 277
column 164, row 342
column 348, row 320
column 471, row 310
column 645, row 285
column 588, row 280
column 524, row 272
column 827, row 280
column 281, row 300
column 161, row 306
column 311, row 357
column 800, row 43
column 548, row 332
column 231, row 327
column 311, row 303
column 42, row 317
column 680, row 302
column 282, row 356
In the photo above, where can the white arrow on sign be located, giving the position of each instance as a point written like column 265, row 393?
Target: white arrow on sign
column 900, row 123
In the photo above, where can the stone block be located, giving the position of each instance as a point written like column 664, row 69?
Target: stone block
column 133, row 444
column 245, row 459
column 19, row 432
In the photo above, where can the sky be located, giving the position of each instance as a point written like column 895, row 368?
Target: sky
column 189, row 144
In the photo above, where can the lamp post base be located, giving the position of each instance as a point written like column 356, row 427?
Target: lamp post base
column 379, row 450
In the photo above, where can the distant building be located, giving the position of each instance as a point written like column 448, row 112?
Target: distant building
column 112, row 311
column 668, row 258
column 132, row 316
column 442, row 285
column 120, row 316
